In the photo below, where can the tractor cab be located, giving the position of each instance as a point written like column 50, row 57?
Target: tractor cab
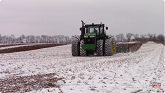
column 93, row 30
column 98, row 29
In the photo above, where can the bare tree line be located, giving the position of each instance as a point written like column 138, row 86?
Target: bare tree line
column 58, row 39
column 142, row 38
column 61, row 39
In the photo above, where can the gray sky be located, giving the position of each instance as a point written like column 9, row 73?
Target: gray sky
column 62, row 17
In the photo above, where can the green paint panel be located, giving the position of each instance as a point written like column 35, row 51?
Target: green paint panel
column 89, row 46
column 107, row 37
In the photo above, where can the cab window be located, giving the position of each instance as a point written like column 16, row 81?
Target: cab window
column 93, row 29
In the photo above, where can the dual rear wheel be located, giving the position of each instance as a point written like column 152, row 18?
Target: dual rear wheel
column 107, row 49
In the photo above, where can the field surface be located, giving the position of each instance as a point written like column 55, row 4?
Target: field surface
column 55, row 70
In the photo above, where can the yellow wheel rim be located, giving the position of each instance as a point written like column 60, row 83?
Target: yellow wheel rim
column 112, row 48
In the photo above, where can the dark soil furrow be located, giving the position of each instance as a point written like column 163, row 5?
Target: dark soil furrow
column 28, row 83
column 27, row 48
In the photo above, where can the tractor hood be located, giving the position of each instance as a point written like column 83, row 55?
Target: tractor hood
column 89, row 34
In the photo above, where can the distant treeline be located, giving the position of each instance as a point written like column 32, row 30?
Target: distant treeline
column 59, row 39
column 142, row 38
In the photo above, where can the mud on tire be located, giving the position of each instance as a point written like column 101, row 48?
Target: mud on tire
column 99, row 50
column 75, row 48
column 82, row 51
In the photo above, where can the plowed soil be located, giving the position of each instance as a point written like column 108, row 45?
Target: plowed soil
column 28, row 83
column 26, row 48
column 5, row 45
column 160, row 43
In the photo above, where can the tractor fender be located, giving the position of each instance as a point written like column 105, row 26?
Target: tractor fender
column 76, row 37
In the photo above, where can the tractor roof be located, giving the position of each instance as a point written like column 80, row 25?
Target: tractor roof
column 86, row 25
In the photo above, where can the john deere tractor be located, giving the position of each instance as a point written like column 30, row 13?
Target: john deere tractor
column 93, row 41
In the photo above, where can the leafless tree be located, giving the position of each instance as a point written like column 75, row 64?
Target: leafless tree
column 117, row 38
column 160, row 38
column 35, row 39
column 150, row 36
column 136, row 36
column 120, row 37
column 129, row 35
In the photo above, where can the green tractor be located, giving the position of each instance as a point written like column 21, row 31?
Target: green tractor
column 93, row 41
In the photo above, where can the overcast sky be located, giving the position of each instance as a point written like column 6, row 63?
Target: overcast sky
column 63, row 17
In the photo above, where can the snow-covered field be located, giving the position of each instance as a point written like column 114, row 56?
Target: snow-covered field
column 121, row 73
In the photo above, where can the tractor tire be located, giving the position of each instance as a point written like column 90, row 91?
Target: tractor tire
column 75, row 48
column 114, row 45
column 108, row 47
column 99, row 48
column 82, row 51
